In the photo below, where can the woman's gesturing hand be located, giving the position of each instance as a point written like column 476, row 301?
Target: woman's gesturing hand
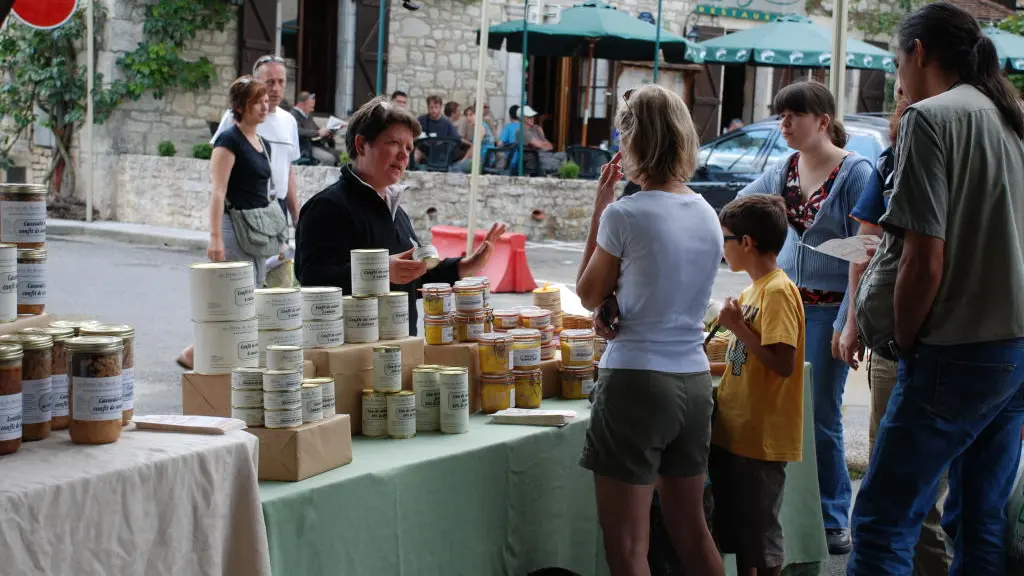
column 611, row 173
column 403, row 269
column 474, row 264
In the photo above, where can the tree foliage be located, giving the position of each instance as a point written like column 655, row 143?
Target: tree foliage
column 1015, row 24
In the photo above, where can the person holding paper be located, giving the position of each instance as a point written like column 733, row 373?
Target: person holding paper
column 820, row 183
column 313, row 140
column 953, row 292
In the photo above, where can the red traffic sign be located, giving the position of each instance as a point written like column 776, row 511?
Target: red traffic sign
column 44, row 14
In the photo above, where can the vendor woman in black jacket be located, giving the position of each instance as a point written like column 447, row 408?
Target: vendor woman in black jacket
column 361, row 210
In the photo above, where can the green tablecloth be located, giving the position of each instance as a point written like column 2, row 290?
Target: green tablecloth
column 498, row 500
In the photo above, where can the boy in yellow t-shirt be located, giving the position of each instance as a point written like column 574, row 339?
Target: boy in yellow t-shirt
column 759, row 421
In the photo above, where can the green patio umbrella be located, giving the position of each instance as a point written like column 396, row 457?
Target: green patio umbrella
column 613, row 34
column 791, row 40
column 603, row 31
column 1009, row 48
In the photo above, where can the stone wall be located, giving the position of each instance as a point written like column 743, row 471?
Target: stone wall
column 138, row 127
column 174, row 192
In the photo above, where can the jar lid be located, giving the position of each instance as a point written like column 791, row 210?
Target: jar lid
column 386, row 348
column 493, row 338
column 578, row 333
column 469, row 285
column 58, row 334
column 22, row 189
column 317, row 381
column 369, row 250
column 370, row 392
column 437, row 286
column 437, row 320
column 374, row 297
column 280, row 372
column 283, row 347
column 524, row 333
column 506, row 312
column 122, row 330
column 219, row 265
column 536, row 313
column 319, row 289
column 31, row 253
column 454, row 370
column 481, row 279
column 427, row 368
column 11, row 352
column 73, row 324
column 248, row 370
column 269, row 291
column 95, row 344
column 308, row 384
column 402, row 393
column 396, row 294
column 29, row 341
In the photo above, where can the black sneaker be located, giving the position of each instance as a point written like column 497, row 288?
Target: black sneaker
column 838, row 541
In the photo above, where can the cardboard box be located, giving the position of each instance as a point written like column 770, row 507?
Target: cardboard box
column 308, row 369
column 26, row 321
column 552, row 378
column 463, row 354
column 206, row 394
column 356, row 360
column 293, row 454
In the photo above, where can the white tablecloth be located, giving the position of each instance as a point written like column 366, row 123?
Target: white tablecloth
column 152, row 504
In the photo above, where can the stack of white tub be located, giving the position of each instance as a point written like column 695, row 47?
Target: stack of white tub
column 323, row 318
column 374, row 312
column 279, row 318
column 223, row 311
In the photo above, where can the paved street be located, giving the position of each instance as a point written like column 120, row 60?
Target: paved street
column 148, row 287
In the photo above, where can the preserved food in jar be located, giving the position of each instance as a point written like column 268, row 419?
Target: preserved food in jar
column 10, row 398
column 31, row 281
column 577, row 382
column 469, row 326
column 437, row 299
column 529, row 388
column 438, row 330
column 495, row 352
column 469, row 296
column 23, row 215
column 526, row 350
column 497, row 392
column 97, row 392
column 535, row 318
column 36, row 383
column 506, row 320
column 577, row 347
column 127, row 334
column 61, row 415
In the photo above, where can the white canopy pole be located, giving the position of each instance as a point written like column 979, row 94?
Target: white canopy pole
column 837, row 76
column 91, row 71
column 478, row 127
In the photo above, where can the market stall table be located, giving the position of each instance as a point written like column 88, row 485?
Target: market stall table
column 499, row 500
column 153, row 503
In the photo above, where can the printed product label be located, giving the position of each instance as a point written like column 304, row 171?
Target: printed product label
column 581, row 353
column 357, row 322
column 329, row 401
column 375, row 420
column 447, row 334
column 245, row 295
column 282, row 418
column 98, row 399
column 588, row 386
column 60, row 394
column 22, row 221
column 526, row 356
column 474, row 330
column 128, row 384
column 32, row 284
column 373, row 274
column 325, row 309
column 469, row 301
column 429, row 397
column 10, row 417
column 458, row 400
column 289, row 312
column 37, row 401
column 9, row 282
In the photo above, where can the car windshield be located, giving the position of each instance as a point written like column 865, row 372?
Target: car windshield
column 864, row 143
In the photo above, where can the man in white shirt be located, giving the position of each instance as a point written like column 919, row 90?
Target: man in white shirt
column 280, row 130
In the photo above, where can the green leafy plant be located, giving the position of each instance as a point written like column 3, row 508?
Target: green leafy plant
column 41, row 73
column 202, row 151
column 569, row 171
column 343, row 158
column 166, row 148
column 158, row 63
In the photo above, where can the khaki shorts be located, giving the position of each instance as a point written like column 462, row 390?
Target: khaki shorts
column 748, row 499
column 646, row 424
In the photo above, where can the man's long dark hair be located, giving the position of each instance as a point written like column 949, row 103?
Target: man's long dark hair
column 953, row 38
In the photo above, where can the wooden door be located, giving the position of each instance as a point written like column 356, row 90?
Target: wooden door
column 256, row 32
column 318, row 49
column 707, row 96
column 364, row 81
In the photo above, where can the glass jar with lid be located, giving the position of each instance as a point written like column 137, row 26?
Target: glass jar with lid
column 526, row 349
column 469, row 326
column 495, row 351
column 10, row 398
column 31, row 281
column 127, row 334
column 23, row 215
column 497, row 392
column 577, row 382
column 437, row 299
column 36, row 383
column 529, row 388
column 94, row 369
column 577, row 347
column 59, row 373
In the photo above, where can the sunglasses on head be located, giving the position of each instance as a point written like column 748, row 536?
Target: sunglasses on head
column 265, row 59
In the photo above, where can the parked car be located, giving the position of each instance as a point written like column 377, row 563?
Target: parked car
column 731, row 161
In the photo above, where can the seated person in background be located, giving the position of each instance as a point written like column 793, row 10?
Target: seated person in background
column 511, row 129
column 451, row 111
column 490, row 120
column 435, row 124
column 400, row 99
column 312, row 138
column 535, row 139
column 466, row 125
column 759, row 423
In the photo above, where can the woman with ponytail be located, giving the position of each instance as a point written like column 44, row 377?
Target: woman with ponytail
column 944, row 295
column 821, row 184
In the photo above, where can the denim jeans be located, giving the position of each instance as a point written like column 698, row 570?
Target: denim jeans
column 828, row 377
column 957, row 407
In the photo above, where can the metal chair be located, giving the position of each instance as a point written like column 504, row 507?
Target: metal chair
column 589, row 159
column 439, row 153
column 500, row 161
